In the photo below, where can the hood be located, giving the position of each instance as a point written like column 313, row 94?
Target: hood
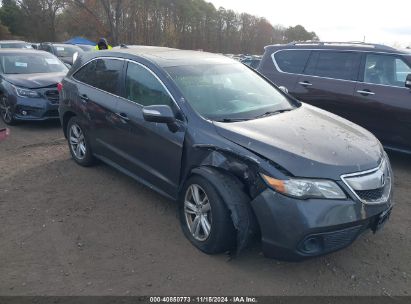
column 307, row 142
column 34, row 81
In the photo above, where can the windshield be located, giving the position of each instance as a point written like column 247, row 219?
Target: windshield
column 18, row 45
column 31, row 63
column 66, row 51
column 228, row 91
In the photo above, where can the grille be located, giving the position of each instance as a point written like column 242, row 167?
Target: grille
column 370, row 195
column 52, row 113
column 373, row 186
column 53, row 96
column 326, row 242
column 339, row 239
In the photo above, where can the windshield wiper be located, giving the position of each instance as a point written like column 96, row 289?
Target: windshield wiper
column 232, row 119
column 269, row 113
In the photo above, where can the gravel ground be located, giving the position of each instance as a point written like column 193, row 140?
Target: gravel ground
column 68, row 230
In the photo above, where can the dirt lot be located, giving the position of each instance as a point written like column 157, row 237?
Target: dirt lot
column 68, row 230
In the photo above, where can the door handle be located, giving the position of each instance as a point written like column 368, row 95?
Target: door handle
column 84, row 98
column 123, row 116
column 305, row 83
column 365, row 92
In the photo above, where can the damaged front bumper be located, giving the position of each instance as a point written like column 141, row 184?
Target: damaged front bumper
column 35, row 109
column 293, row 229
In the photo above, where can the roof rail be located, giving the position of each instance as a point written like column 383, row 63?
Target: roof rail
column 346, row 43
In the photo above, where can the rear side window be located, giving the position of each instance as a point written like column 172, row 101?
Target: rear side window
column 292, row 61
column 103, row 74
column 144, row 88
column 336, row 65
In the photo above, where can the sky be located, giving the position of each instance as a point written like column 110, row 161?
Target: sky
column 386, row 22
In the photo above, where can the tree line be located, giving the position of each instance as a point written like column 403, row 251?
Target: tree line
column 186, row 24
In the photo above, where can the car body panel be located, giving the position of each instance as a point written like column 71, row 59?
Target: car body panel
column 34, row 81
column 344, row 147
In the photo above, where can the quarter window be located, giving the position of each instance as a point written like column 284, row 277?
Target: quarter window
column 292, row 61
column 401, row 70
column 336, row 65
column 145, row 89
column 103, row 74
column 385, row 70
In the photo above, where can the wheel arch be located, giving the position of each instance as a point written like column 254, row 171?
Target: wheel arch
column 66, row 118
column 237, row 201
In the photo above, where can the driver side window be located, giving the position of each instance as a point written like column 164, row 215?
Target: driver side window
column 144, row 88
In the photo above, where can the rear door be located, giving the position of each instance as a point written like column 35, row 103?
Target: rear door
column 98, row 95
column 383, row 99
column 329, row 81
column 287, row 66
column 150, row 151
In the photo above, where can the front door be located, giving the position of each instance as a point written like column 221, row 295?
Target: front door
column 150, row 151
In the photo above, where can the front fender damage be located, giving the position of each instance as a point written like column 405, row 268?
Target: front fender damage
column 237, row 180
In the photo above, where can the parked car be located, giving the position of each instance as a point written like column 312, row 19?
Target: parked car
column 252, row 61
column 365, row 83
column 63, row 51
column 237, row 153
column 14, row 44
column 28, row 85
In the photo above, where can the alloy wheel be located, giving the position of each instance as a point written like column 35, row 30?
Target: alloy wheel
column 197, row 211
column 77, row 142
column 5, row 110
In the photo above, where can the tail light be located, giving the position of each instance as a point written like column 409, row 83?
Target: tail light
column 59, row 87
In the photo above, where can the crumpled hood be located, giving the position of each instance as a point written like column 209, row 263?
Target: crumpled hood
column 308, row 142
column 34, row 81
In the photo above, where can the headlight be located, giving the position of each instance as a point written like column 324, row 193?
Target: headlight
column 26, row 93
column 306, row 188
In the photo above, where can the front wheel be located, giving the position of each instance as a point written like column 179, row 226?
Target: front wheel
column 6, row 111
column 204, row 217
column 78, row 143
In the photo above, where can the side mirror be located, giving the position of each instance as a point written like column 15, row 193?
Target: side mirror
column 159, row 114
column 408, row 81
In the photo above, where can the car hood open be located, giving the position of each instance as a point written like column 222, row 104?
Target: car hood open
column 308, row 142
column 34, row 81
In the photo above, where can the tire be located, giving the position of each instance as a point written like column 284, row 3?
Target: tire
column 6, row 111
column 78, row 143
column 222, row 234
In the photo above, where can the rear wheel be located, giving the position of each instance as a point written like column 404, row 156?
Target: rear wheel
column 78, row 143
column 6, row 111
column 204, row 218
